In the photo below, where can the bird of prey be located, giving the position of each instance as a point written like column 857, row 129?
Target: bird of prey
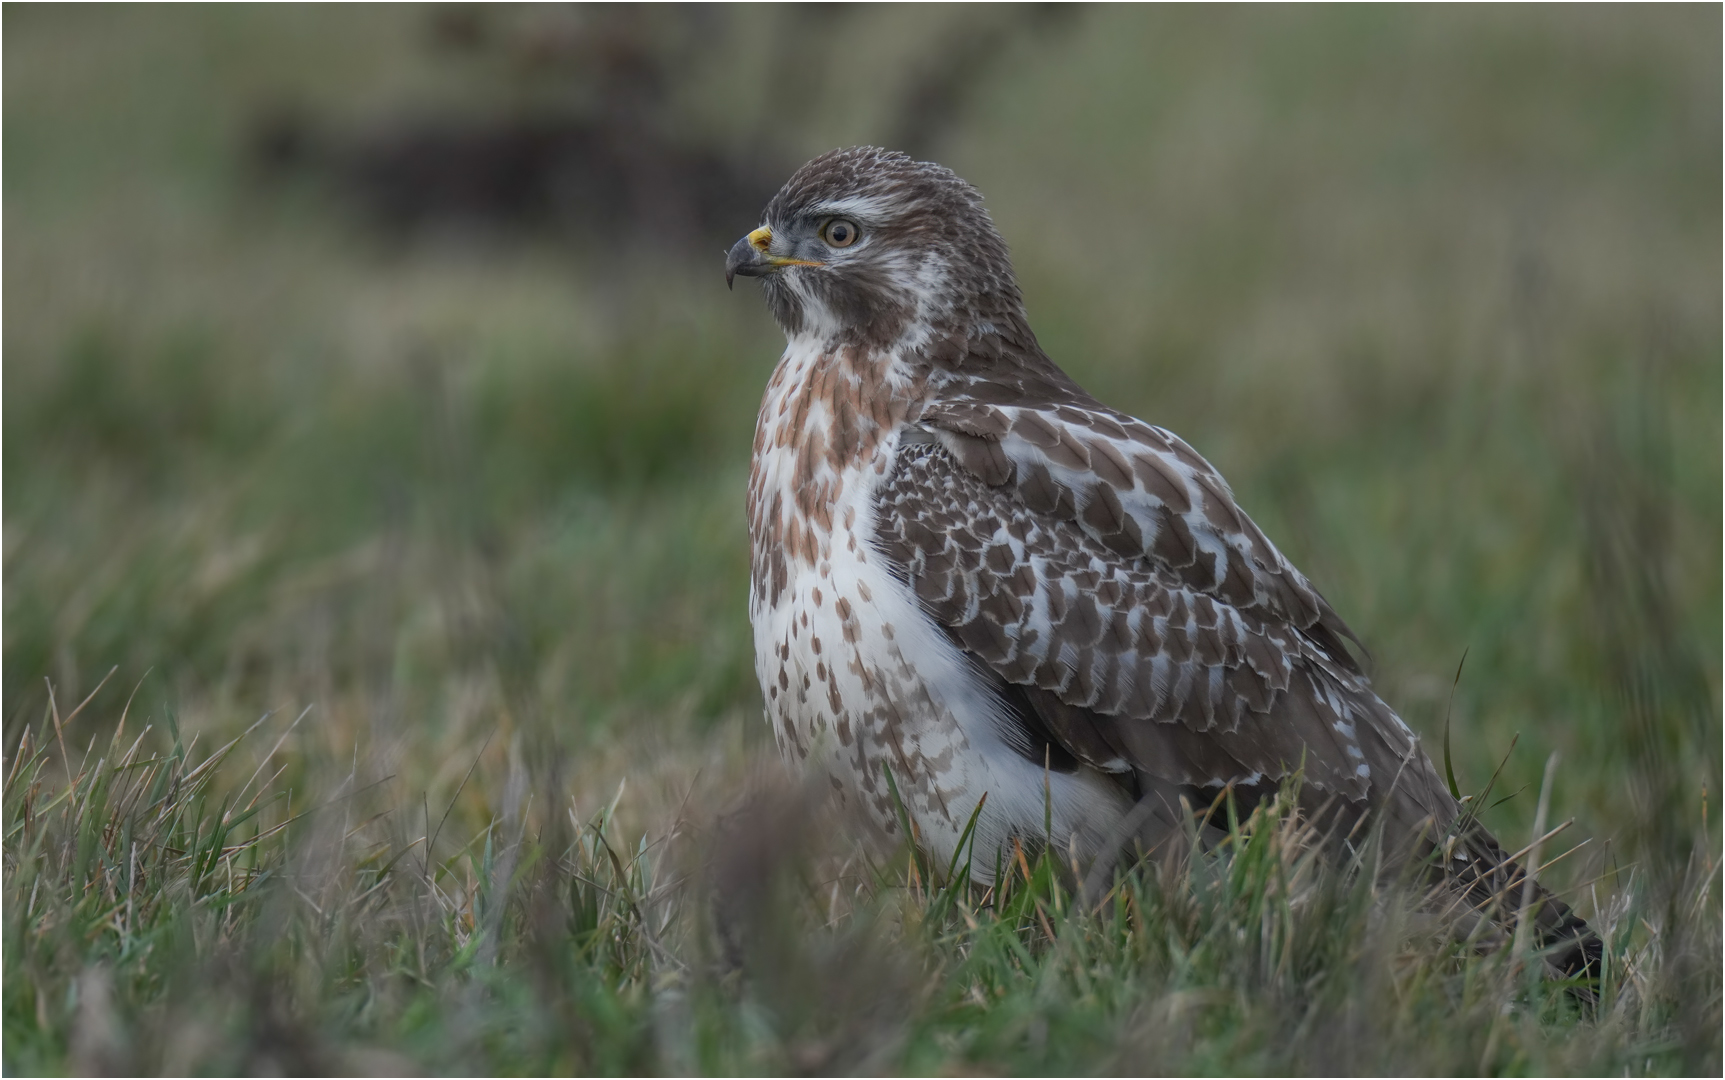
column 969, row 572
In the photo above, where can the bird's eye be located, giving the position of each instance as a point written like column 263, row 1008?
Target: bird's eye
column 840, row 233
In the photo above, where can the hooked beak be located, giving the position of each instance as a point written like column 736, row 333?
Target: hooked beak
column 749, row 257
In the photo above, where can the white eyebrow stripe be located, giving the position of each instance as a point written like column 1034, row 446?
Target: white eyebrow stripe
column 862, row 206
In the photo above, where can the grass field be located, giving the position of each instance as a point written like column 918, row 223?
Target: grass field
column 403, row 583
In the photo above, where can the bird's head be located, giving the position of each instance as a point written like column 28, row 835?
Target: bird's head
column 868, row 246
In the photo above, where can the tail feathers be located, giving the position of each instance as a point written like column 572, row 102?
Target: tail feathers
column 1569, row 944
column 1420, row 818
column 1490, row 884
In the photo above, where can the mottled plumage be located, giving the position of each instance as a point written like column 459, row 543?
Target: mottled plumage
column 967, row 570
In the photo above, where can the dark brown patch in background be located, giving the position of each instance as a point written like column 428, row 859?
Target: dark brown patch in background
column 601, row 144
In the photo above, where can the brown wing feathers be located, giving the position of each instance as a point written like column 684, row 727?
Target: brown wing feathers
column 1142, row 493
column 1046, row 606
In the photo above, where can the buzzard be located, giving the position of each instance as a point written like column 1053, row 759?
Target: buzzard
column 1033, row 610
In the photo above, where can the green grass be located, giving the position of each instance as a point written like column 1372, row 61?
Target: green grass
column 1437, row 290
column 174, row 927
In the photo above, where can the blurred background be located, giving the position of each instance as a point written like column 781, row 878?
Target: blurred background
column 378, row 360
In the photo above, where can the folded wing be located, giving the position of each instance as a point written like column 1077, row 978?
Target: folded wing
column 1102, row 572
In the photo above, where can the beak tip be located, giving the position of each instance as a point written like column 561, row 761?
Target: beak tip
column 745, row 260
